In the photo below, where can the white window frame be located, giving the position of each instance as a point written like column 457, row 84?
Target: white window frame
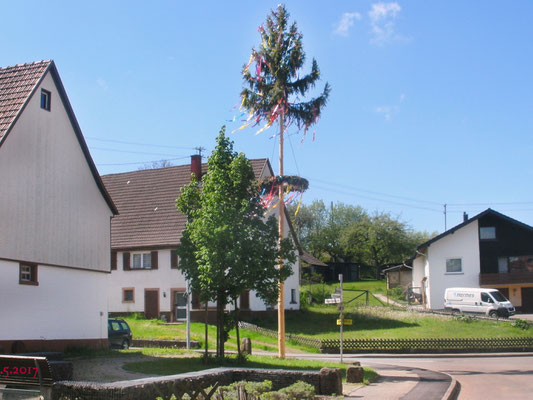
column 145, row 257
column 454, row 272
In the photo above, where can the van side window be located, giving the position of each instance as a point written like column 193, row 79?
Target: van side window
column 486, row 298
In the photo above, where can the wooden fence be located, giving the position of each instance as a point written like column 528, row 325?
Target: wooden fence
column 434, row 345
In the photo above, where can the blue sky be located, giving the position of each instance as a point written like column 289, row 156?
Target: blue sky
column 431, row 102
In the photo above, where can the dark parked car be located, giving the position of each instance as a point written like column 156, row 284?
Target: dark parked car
column 119, row 333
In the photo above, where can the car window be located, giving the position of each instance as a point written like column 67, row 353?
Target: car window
column 115, row 326
column 486, row 298
column 498, row 296
column 124, row 326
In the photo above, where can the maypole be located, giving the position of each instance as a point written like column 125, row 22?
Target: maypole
column 267, row 98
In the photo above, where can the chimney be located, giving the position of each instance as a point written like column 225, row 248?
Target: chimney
column 196, row 166
column 465, row 216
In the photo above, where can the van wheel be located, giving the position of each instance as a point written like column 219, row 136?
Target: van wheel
column 455, row 311
column 125, row 344
column 493, row 314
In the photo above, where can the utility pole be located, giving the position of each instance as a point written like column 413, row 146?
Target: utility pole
column 445, row 228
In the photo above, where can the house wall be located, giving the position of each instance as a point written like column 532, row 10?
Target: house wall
column 418, row 271
column 66, row 304
column 164, row 278
column 45, row 177
column 168, row 280
column 464, row 244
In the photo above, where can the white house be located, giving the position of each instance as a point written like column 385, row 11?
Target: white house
column 488, row 250
column 145, row 277
column 54, row 219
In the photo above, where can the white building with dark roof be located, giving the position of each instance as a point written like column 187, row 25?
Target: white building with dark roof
column 54, row 219
column 145, row 274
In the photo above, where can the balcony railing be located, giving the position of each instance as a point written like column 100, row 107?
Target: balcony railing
column 506, row 278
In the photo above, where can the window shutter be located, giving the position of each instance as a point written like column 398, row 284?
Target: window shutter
column 113, row 260
column 173, row 259
column 245, row 300
column 154, row 259
column 126, row 261
column 195, row 301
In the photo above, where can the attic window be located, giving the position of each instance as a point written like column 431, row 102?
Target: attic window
column 46, row 98
column 487, row 232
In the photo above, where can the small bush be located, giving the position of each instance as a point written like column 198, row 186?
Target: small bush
column 520, row 323
column 463, row 318
column 137, row 316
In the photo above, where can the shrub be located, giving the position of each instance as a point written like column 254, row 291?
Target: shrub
column 520, row 323
column 463, row 318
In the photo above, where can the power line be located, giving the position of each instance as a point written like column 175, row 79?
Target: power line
column 376, row 199
column 377, row 193
column 132, row 152
column 139, row 144
column 143, row 162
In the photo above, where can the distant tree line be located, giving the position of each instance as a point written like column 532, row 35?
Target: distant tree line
column 347, row 233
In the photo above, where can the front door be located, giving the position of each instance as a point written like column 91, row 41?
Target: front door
column 527, row 300
column 180, row 306
column 151, row 303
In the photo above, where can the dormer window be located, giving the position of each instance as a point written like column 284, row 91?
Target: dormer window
column 487, row 232
column 46, row 98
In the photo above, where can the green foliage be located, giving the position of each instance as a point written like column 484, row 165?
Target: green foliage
column 463, row 318
column 230, row 392
column 278, row 85
column 348, row 233
column 137, row 316
column 520, row 323
column 263, row 391
column 297, row 391
column 397, row 293
column 227, row 246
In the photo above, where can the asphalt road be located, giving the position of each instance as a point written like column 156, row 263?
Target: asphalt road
column 481, row 376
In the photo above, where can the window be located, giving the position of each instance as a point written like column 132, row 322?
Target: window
column 28, row 274
column 485, row 298
column 142, row 261
column 173, row 259
column 293, row 296
column 454, row 265
column 46, row 98
column 128, row 295
column 487, row 232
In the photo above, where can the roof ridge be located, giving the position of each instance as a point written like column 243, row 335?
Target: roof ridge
column 27, row 64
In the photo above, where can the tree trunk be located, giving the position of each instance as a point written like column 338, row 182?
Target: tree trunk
column 206, row 333
column 239, row 354
column 220, row 324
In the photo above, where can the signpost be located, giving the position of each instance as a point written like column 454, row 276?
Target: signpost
column 339, row 299
column 342, row 317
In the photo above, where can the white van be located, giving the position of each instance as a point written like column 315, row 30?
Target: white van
column 478, row 300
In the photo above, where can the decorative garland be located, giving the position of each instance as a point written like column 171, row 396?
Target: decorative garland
column 291, row 183
column 271, row 186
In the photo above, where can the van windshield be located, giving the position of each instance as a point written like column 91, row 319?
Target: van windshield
column 498, row 296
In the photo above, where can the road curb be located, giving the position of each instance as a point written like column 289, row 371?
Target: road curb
column 453, row 391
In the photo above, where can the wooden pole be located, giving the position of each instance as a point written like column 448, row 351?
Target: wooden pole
column 281, row 295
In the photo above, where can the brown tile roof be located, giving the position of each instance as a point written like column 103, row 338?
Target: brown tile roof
column 16, row 85
column 146, row 202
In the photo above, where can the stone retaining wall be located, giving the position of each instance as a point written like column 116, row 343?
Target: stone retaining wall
column 190, row 383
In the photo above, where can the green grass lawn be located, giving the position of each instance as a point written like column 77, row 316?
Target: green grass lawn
column 155, row 329
column 319, row 321
column 170, row 366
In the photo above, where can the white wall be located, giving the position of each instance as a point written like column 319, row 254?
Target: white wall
column 163, row 278
column 67, row 304
column 464, row 244
column 52, row 210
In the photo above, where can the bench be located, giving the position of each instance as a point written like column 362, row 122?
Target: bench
column 25, row 375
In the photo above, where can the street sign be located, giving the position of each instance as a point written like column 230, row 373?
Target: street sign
column 332, row 301
column 346, row 321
